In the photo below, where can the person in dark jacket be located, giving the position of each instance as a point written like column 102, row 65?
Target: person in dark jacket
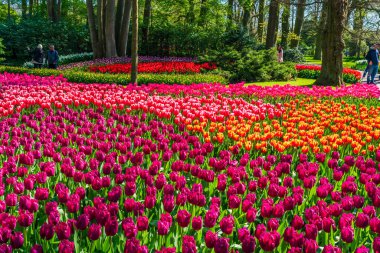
column 38, row 56
column 373, row 63
column 52, row 57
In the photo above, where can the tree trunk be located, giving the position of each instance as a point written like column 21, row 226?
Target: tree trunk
column 100, row 17
column 203, row 13
column 246, row 16
column 318, row 37
column 135, row 39
column 358, row 28
column 260, row 22
column 93, row 32
column 191, row 14
column 272, row 24
column 119, row 19
column 285, row 24
column 299, row 23
column 59, row 10
column 110, row 29
column 30, row 8
column 48, row 6
column 230, row 11
column 51, row 7
column 333, row 44
column 145, row 26
column 24, row 7
column 122, row 43
column 9, row 10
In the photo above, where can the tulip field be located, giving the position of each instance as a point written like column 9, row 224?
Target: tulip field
column 155, row 67
column 196, row 168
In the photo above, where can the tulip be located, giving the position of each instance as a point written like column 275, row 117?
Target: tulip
column 221, row 245
column 5, row 234
column 183, row 218
column 17, row 240
column 297, row 222
column 111, row 227
column 362, row 221
column 94, row 232
column 47, row 231
column 269, row 240
column 66, row 246
column 227, row 224
column 63, row 231
column 129, row 228
column 249, row 244
column 310, row 246
column 188, row 244
column 197, row 223
column 142, row 223
column 243, row 233
column 210, row 218
column 210, row 239
column 362, row 249
column 376, row 244
column 11, row 199
column 36, row 249
column 347, row 234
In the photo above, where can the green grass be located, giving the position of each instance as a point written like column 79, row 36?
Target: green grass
column 298, row 82
column 347, row 62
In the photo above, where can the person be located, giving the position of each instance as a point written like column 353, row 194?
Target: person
column 38, row 56
column 366, row 56
column 52, row 57
column 373, row 63
column 280, row 53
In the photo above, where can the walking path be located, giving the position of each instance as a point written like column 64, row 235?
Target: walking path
column 377, row 80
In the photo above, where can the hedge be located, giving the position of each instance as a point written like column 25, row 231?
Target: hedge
column 67, row 59
column 76, row 76
column 314, row 74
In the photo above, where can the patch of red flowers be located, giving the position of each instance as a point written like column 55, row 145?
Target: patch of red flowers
column 155, row 67
column 300, row 67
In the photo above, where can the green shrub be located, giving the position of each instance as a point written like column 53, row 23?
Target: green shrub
column 347, row 78
column 309, row 74
column 251, row 65
column 2, row 52
column 67, row 36
column 294, row 55
column 66, row 59
column 313, row 74
column 360, row 65
column 87, row 77
column 71, row 58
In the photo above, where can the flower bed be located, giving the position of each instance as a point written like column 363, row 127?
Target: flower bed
column 313, row 71
column 199, row 168
column 155, row 67
column 122, row 60
column 79, row 76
